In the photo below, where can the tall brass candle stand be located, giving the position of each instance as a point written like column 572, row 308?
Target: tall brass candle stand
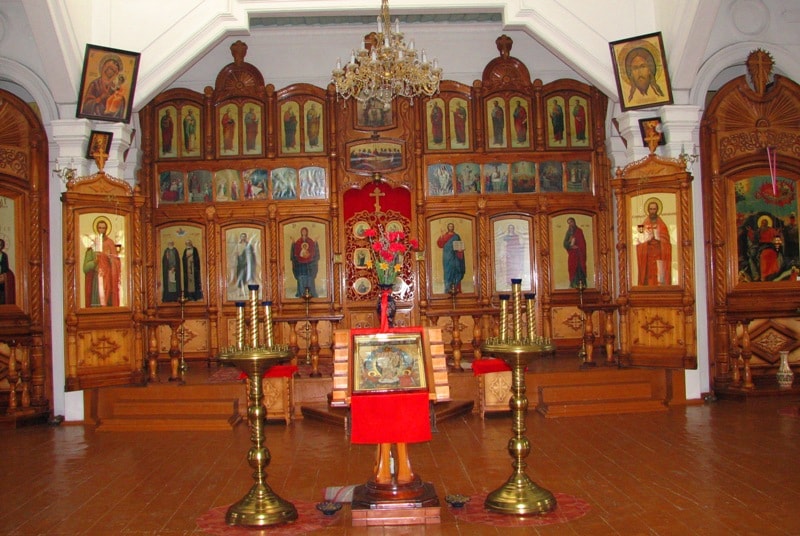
column 519, row 495
column 261, row 506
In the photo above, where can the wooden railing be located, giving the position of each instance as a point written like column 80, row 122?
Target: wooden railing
column 19, row 376
column 480, row 317
column 310, row 327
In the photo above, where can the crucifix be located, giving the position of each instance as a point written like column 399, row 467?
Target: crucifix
column 377, row 194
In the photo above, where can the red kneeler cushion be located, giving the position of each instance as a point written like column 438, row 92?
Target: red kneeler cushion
column 390, row 418
column 492, row 364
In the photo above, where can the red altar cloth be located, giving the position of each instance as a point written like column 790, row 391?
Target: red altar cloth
column 491, row 364
column 278, row 371
column 390, row 418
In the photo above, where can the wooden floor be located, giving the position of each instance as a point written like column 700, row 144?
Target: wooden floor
column 721, row 468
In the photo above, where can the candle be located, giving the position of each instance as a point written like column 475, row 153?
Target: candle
column 516, row 284
column 529, row 298
column 239, row 325
column 503, row 316
column 253, row 315
column 268, row 323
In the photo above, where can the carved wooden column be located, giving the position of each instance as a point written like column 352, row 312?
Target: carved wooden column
column 313, row 348
column 26, row 375
column 588, row 339
column 456, row 343
column 609, row 336
column 13, row 376
column 293, row 346
column 477, row 318
column 747, row 354
column 174, row 351
column 152, row 354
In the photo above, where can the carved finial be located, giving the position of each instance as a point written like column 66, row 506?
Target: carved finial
column 504, row 44
column 100, row 158
column 239, row 51
column 759, row 65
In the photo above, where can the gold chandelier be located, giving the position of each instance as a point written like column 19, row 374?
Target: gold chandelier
column 385, row 67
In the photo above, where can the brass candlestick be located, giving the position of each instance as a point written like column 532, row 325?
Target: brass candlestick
column 582, row 354
column 260, row 507
column 307, row 299
column 183, row 367
column 519, row 495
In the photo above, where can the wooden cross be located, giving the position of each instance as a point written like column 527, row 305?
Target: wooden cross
column 377, row 194
column 653, row 135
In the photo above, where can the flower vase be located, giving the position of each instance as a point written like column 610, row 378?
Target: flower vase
column 785, row 375
column 386, row 313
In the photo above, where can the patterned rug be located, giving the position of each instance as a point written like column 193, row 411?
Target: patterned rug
column 567, row 509
column 308, row 519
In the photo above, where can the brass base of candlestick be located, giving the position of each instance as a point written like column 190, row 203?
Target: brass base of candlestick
column 520, row 496
column 261, row 507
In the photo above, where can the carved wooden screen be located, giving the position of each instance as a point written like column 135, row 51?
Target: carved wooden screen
column 751, row 175
column 656, row 268
column 103, row 248
column 308, row 154
column 25, row 348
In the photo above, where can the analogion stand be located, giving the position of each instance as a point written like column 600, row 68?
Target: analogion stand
column 394, row 495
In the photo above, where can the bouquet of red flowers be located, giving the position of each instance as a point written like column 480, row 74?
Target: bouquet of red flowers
column 388, row 253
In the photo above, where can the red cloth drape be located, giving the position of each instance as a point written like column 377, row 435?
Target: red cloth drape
column 281, row 371
column 390, row 418
column 278, row 371
column 484, row 366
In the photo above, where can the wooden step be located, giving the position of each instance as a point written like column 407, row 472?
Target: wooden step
column 197, row 414
column 154, row 407
column 170, row 423
column 580, row 399
column 590, row 392
column 600, row 407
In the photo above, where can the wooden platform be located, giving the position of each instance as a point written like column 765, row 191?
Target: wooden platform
column 763, row 386
column 573, row 394
column 338, row 416
column 366, row 517
column 556, row 387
